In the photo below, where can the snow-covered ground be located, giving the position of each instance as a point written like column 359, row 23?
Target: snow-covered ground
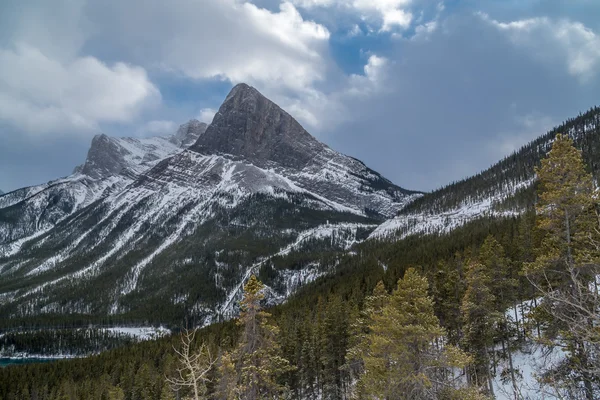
column 407, row 224
column 141, row 332
column 21, row 356
column 343, row 234
column 528, row 361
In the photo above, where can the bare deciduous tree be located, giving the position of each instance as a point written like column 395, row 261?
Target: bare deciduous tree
column 194, row 366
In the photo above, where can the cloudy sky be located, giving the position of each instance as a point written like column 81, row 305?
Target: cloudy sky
column 425, row 92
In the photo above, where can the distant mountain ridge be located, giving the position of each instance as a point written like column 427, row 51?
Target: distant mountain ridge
column 504, row 189
column 170, row 228
column 111, row 165
column 146, row 226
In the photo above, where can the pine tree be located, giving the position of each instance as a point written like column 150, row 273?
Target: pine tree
column 563, row 213
column 226, row 386
column 448, row 290
column 257, row 360
column 566, row 268
column 359, row 340
column 479, row 320
column 503, row 287
column 406, row 358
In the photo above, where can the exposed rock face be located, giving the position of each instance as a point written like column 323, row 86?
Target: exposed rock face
column 105, row 158
column 109, row 156
column 188, row 133
column 250, row 126
column 146, row 222
column 111, row 165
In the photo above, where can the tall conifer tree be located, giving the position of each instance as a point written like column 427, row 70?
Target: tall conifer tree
column 257, row 360
column 479, row 319
column 566, row 269
column 405, row 358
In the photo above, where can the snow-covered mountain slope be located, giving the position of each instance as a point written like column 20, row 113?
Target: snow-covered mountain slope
column 111, row 165
column 180, row 230
column 251, row 128
column 406, row 224
column 505, row 189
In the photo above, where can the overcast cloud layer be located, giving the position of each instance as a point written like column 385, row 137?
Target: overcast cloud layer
column 424, row 92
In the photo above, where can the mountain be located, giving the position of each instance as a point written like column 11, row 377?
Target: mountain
column 503, row 190
column 149, row 230
column 188, row 133
column 111, row 165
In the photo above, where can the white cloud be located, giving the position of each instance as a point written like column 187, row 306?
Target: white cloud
column 424, row 30
column 556, row 41
column 326, row 110
column 526, row 128
column 41, row 94
column 391, row 14
column 355, row 31
column 374, row 76
column 284, row 55
column 279, row 52
column 207, row 115
column 225, row 39
column 157, row 128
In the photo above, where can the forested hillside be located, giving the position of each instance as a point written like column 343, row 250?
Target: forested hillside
column 449, row 298
column 446, row 315
column 163, row 229
column 506, row 188
column 517, row 167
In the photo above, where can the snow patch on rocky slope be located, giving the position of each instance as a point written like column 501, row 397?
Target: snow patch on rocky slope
column 405, row 225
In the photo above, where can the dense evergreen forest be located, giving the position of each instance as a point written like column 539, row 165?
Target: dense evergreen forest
column 177, row 288
column 427, row 317
column 66, row 342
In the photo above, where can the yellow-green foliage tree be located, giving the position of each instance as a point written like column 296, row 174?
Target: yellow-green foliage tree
column 479, row 321
column 252, row 370
column 361, row 329
column 566, row 270
column 404, row 353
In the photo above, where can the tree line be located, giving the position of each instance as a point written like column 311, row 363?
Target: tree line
column 424, row 318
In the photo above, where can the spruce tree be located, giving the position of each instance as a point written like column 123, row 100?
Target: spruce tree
column 502, row 284
column 334, row 344
column 359, row 340
column 503, row 287
column 406, row 358
column 566, row 269
column 479, row 320
column 257, row 360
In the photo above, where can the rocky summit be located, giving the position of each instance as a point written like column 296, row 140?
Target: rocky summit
column 249, row 126
column 163, row 226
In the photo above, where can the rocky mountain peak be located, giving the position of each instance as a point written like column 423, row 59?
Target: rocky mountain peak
column 109, row 156
column 188, row 133
column 104, row 158
column 249, row 126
